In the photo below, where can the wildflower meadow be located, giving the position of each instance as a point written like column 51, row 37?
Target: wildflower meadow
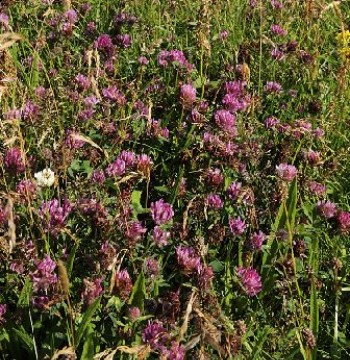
column 174, row 179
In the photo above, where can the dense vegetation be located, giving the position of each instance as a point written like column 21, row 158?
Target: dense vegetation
column 174, row 179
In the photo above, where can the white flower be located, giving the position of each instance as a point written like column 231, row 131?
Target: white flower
column 45, row 177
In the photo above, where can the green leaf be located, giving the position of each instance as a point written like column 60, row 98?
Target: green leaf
column 24, row 298
column 217, row 265
column 87, row 317
column 89, row 347
column 24, row 337
column 138, row 294
column 70, row 260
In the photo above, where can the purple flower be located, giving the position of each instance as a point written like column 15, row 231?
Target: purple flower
column 276, row 4
column 313, row 157
column 214, row 202
column 13, row 114
column 134, row 313
column 317, row 188
column 176, row 352
column 214, row 177
column 98, row 176
column 250, row 280
column 278, row 55
column 205, row 275
column 152, row 267
column 128, row 157
column 273, row 87
column 41, row 302
column 223, row 35
column 271, row 122
column 116, row 168
column 26, row 189
column 123, row 283
column 71, row 16
column 160, row 236
column 72, row 140
column 226, row 121
column 44, row 276
column 343, row 219
column 123, row 40
column 54, row 216
column 165, row 58
column 257, row 240
column 143, row 60
column 3, row 310
column 114, row 94
column 30, row 111
column 234, row 190
column 278, row 30
column 162, row 212
column 187, row 95
column 104, row 43
column 83, row 82
column 135, row 230
column 14, row 162
column 237, row 226
column 286, row 172
column 326, row 209
column 92, row 290
column 188, row 260
column 143, row 163
column 155, row 335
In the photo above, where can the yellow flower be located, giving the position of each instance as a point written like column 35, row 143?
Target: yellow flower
column 344, row 37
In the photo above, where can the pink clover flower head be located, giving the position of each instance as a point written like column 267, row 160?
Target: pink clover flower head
column 143, row 61
column 14, row 162
column 112, row 93
column 134, row 313
column 155, row 335
column 124, row 40
column 234, row 190
column 225, row 121
column 92, row 290
column 160, row 236
column 286, row 172
column 214, row 177
column 98, row 176
column 187, row 95
column 54, row 215
column 72, row 140
column 214, row 201
column 343, row 219
column 257, row 240
column 271, row 122
column 116, row 168
column 250, row 280
column 205, row 275
column 278, row 30
column 176, row 352
column 165, row 58
column 3, row 310
column 143, row 163
column 276, row 4
column 152, row 267
column 26, row 189
column 161, row 212
column 273, row 87
column 83, row 82
column 317, row 188
column 104, row 43
column 128, row 157
column 135, row 230
column 188, row 260
column 123, row 283
column 43, row 277
column 237, row 226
